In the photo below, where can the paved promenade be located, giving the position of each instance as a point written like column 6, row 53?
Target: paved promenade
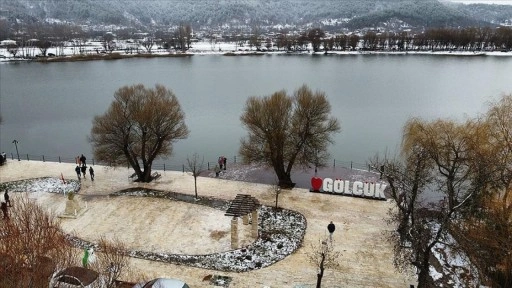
column 150, row 223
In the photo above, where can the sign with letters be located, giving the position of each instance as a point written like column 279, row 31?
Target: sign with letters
column 347, row 188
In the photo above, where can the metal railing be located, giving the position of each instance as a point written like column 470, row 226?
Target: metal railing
column 209, row 165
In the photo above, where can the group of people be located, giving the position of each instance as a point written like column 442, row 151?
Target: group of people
column 222, row 165
column 222, row 162
column 81, row 168
column 6, row 202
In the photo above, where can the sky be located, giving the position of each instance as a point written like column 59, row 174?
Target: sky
column 502, row 2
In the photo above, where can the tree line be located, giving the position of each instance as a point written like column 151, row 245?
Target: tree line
column 438, row 39
column 60, row 36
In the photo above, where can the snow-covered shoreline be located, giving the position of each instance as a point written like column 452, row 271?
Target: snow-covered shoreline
column 70, row 53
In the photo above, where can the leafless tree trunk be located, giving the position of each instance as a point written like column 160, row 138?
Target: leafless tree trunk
column 112, row 261
column 323, row 256
column 195, row 166
column 13, row 49
column 275, row 189
column 148, row 44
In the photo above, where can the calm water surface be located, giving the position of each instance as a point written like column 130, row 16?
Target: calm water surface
column 48, row 108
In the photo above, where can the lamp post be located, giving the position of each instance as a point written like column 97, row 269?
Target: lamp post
column 16, row 144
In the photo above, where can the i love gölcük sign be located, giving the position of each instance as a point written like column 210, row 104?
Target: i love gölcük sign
column 347, row 188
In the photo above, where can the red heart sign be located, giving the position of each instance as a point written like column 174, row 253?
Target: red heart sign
column 316, row 183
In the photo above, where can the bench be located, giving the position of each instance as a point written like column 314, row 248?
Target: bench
column 155, row 175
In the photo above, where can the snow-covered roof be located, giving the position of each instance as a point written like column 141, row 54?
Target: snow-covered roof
column 7, row 42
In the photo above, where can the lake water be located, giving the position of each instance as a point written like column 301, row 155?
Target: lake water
column 48, row 108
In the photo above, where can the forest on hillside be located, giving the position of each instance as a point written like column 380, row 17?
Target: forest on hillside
column 355, row 14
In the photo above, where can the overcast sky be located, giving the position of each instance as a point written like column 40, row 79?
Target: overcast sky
column 503, row 2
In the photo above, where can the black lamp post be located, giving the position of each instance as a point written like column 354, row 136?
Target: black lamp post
column 16, row 144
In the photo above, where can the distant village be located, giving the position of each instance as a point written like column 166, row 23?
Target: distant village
column 58, row 39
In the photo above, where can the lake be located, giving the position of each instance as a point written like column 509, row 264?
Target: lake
column 48, row 108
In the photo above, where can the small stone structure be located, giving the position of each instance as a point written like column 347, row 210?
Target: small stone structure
column 241, row 206
column 73, row 208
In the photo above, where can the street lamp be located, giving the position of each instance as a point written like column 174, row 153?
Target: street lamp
column 16, row 144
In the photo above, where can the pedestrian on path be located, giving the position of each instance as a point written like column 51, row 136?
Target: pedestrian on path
column 221, row 162
column 82, row 160
column 77, row 170
column 331, row 227
column 84, row 171
column 7, row 199
column 91, row 172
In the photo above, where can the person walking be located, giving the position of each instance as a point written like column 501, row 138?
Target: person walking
column 84, row 171
column 217, row 171
column 224, row 161
column 7, row 199
column 220, row 161
column 77, row 170
column 82, row 160
column 91, row 172
column 331, row 227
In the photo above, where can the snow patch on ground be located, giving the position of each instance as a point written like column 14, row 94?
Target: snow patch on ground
column 281, row 231
column 46, row 184
column 456, row 269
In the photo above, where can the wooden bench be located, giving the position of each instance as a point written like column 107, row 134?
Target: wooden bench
column 156, row 175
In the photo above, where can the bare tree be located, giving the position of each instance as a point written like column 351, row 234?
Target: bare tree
column 439, row 158
column 140, row 125
column 195, row 166
column 212, row 38
column 254, row 39
column 79, row 38
column 315, row 36
column 275, row 190
column 148, row 44
column 188, row 33
column 108, row 42
column 112, row 261
column 285, row 130
column 43, row 46
column 323, row 256
column 498, row 124
column 408, row 181
column 62, row 33
column 32, row 246
column 182, row 37
column 353, row 41
column 13, row 49
column 485, row 235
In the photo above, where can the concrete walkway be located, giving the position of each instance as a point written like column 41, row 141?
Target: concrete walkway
column 159, row 225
